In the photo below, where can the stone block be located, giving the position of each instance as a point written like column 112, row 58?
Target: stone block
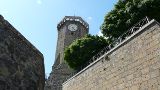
column 154, row 73
column 21, row 64
column 136, row 66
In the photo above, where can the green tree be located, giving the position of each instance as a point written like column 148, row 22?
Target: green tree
column 126, row 13
column 82, row 50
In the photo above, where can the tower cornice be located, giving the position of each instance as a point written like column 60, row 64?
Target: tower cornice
column 72, row 18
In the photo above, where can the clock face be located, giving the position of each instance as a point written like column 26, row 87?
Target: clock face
column 72, row 27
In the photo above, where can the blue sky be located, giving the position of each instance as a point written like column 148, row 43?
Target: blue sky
column 37, row 20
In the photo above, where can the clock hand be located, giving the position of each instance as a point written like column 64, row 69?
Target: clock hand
column 73, row 28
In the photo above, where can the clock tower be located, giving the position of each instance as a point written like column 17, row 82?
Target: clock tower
column 69, row 29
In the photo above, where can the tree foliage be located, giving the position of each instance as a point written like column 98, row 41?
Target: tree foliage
column 82, row 50
column 126, row 13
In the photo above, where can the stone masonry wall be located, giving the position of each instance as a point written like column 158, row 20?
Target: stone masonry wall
column 21, row 64
column 132, row 65
column 60, row 70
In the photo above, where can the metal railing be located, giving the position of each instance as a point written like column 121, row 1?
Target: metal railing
column 125, row 35
column 116, row 42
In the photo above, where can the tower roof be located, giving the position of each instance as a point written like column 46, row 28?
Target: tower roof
column 72, row 18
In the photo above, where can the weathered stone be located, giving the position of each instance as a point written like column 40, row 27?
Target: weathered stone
column 134, row 65
column 21, row 64
column 60, row 70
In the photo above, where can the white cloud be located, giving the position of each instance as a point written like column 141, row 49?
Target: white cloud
column 39, row 2
column 99, row 33
column 89, row 18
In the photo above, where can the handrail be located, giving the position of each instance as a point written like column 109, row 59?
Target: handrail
column 125, row 35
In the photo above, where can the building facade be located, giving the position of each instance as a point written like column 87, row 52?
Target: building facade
column 69, row 29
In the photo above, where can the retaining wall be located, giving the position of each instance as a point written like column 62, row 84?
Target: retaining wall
column 132, row 65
